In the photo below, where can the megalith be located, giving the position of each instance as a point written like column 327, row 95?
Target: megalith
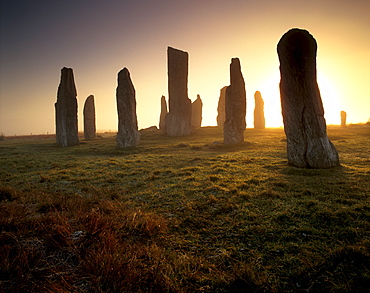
column 196, row 113
column 128, row 134
column 178, row 119
column 89, row 118
column 343, row 118
column 259, row 111
column 308, row 145
column 66, row 110
column 235, row 105
column 221, row 107
column 162, row 118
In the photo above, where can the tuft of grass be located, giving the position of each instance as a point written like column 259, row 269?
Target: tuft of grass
column 8, row 194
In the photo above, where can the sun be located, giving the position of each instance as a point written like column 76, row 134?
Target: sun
column 330, row 98
column 269, row 88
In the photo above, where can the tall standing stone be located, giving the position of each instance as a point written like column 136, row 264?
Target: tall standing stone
column 308, row 145
column 221, row 107
column 178, row 119
column 343, row 118
column 66, row 110
column 235, row 105
column 89, row 118
column 162, row 118
column 128, row 134
column 259, row 111
column 196, row 113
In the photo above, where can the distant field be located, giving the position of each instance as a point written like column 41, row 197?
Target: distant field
column 184, row 214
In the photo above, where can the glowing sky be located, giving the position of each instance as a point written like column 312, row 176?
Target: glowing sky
column 99, row 38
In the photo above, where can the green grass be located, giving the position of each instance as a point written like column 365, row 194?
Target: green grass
column 184, row 214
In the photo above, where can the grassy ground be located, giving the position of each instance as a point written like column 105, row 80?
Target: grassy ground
column 184, row 214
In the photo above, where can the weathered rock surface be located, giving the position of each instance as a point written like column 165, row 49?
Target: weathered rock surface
column 343, row 118
column 221, row 107
column 162, row 118
column 128, row 134
column 308, row 145
column 178, row 119
column 235, row 105
column 66, row 110
column 259, row 111
column 196, row 113
column 89, row 118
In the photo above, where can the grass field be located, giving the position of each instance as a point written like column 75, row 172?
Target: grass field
column 184, row 214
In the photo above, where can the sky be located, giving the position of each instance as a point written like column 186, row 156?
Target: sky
column 99, row 38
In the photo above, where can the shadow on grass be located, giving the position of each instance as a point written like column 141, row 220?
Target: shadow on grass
column 294, row 171
column 346, row 269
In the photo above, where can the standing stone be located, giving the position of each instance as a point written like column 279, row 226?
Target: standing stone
column 178, row 119
column 235, row 105
column 343, row 118
column 259, row 111
column 162, row 118
column 66, row 110
column 221, row 107
column 89, row 118
column 196, row 113
column 308, row 145
column 128, row 134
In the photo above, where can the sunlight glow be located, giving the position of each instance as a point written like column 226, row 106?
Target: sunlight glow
column 330, row 98
column 269, row 89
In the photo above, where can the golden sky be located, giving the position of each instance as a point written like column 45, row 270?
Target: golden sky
column 99, row 38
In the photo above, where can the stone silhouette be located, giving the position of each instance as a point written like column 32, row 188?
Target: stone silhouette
column 66, row 110
column 128, row 134
column 343, row 118
column 89, row 118
column 308, row 145
column 178, row 119
column 235, row 105
column 196, row 113
column 162, row 118
column 221, row 107
column 259, row 111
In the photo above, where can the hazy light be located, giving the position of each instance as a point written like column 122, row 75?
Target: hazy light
column 37, row 43
column 330, row 98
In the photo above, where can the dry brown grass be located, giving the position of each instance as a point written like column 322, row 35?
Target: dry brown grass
column 72, row 244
